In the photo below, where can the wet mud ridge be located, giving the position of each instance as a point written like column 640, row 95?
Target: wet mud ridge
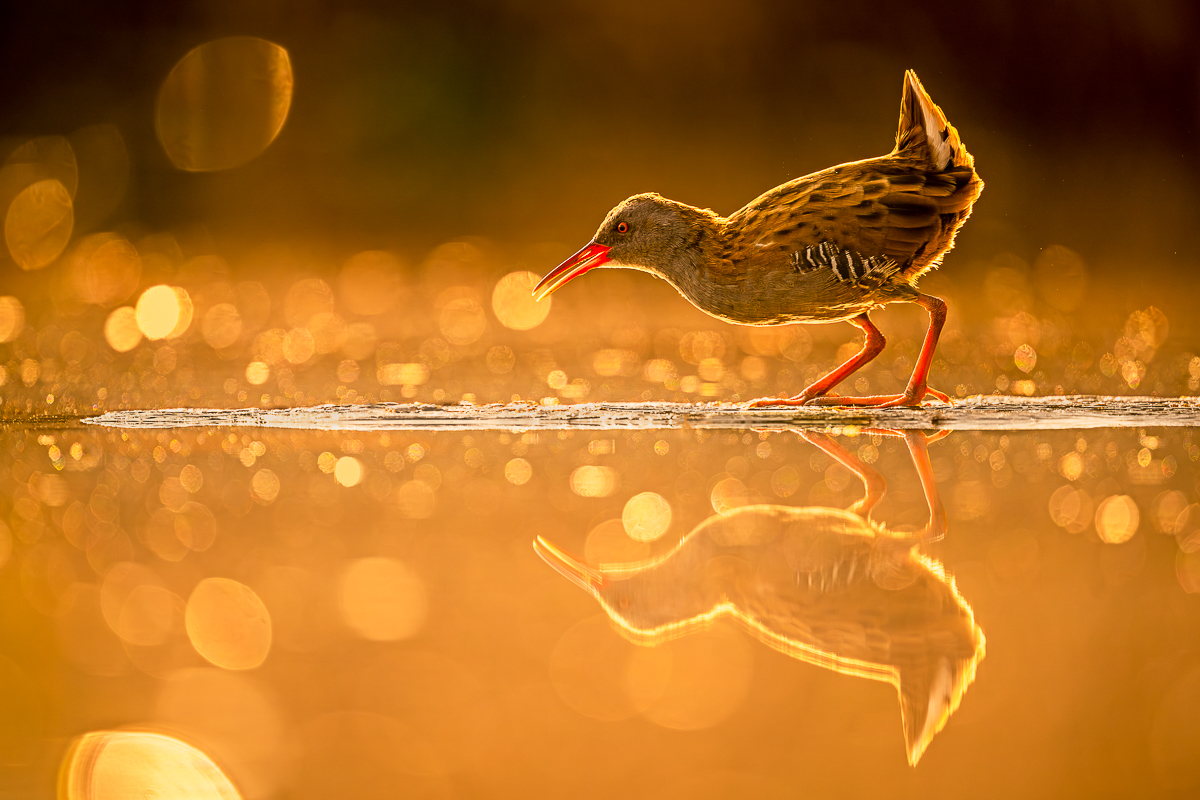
column 973, row 413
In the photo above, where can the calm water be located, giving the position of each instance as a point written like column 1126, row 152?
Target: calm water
column 365, row 614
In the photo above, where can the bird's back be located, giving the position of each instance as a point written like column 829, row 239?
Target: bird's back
column 867, row 227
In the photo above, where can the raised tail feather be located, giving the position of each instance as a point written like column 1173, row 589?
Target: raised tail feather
column 923, row 125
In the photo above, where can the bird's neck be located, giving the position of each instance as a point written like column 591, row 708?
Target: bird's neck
column 693, row 263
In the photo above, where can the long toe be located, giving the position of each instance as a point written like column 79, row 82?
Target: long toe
column 805, row 398
column 878, row 400
column 882, row 401
column 935, row 394
column 915, row 399
column 769, row 402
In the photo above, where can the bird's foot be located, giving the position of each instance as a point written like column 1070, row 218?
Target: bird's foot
column 911, row 399
column 803, row 399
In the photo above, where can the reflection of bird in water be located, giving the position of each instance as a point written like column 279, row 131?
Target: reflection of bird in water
column 827, row 247
column 824, row 585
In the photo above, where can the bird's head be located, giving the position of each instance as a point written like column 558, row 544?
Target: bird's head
column 647, row 232
column 650, row 600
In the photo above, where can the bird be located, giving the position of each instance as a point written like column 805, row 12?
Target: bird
column 827, row 247
column 827, row 586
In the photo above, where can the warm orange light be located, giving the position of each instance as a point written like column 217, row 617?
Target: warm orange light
column 588, row 671
column 370, row 282
column 265, row 486
column 704, row 586
column 646, row 516
column 38, row 224
column 1117, row 519
column 148, row 615
column 164, row 312
column 121, row 329
column 462, row 321
column 383, row 599
column 257, row 373
column 348, row 471
column 608, row 543
column 1071, row 508
column 518, row 471
column 692, row 683
column 12, row 318
column 107, row 765
column 228, row 624
column 513, row 303
column 104, row 269
column 222, row 325
column 592, row 481
column 729, row 494
column 415, row 500
column 298, row 345
column 413, row 374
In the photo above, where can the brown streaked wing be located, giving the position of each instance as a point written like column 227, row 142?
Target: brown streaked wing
column 878, row 207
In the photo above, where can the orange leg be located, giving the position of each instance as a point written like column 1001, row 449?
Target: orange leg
column 872, row 346
column 917, row 389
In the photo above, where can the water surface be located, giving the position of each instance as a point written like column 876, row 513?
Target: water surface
column 365, row 612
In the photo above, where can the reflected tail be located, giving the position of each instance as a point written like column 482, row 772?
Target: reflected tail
column 928, row 696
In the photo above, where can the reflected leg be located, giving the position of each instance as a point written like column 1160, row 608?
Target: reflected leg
column 918, row 449
column 919, row 452
column 873, row 483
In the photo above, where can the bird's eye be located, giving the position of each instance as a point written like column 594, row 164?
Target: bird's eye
column 622, row 227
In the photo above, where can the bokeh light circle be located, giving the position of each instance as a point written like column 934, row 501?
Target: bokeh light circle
column 369, row 282
column 462, row 321
column 587, row 669
column 228, row 624
column 257, row 372
column 348, row 471
column 518, row 471
column 106, row 765
column 224, row 103
column 1117, row 519
column 12, row 318
column 590, row 481
column 38, row 224
column 222, row 326
column 121, row 329
column 646, row 516
column 383, row 599
column 104, row 269
column 164, row 312
column 513, row 303
column 704, row 680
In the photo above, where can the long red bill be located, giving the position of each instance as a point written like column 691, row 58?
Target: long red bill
column 590, row 257
column 582, row 575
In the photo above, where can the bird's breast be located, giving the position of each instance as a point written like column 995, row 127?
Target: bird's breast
column 774, row 288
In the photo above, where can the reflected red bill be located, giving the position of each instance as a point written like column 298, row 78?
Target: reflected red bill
column 591, row 256
column 582, row 575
